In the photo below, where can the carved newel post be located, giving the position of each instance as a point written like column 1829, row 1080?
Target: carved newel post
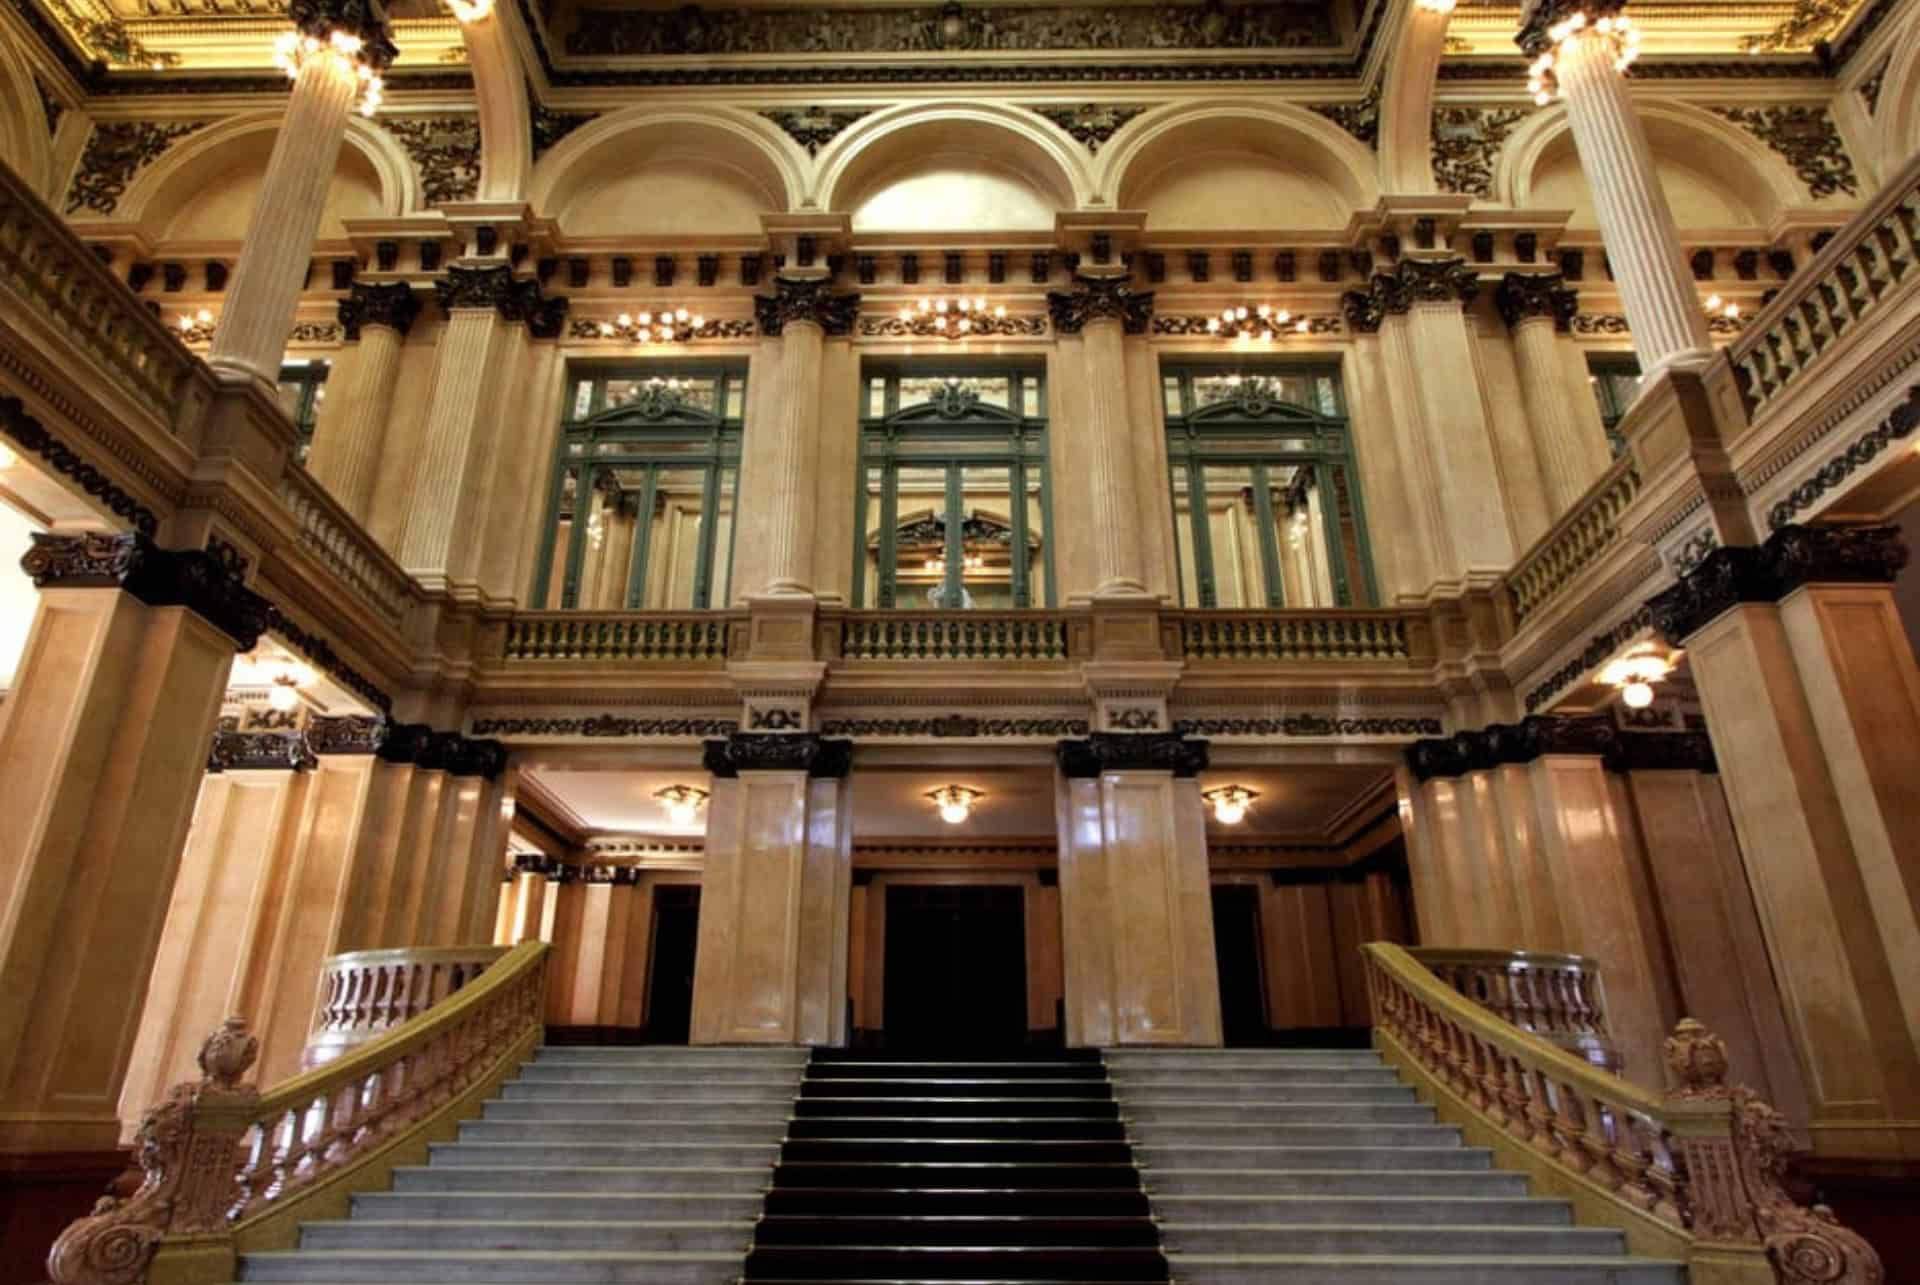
column 801, row 313
column 1103, row 310
column 189, row 1157
column 1738, row 1171
column 335, row 54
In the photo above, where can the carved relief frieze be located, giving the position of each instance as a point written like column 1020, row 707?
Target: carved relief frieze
column 257, row 751
column 1807, row 139
column 116, row 151
column 31, row 436
column 980, row 325
column 612, row 726
column 1131, row 752
column 445, row 151
column 1466, row 146
column 319, row 652
column 1524, row 295
column 954, row 726
column 1791, row 557
column 807, row 752
column 711, row 328
column 1311, row 725
column 1091, row 124
column 1856, row 455
column 821, row 30
column 1196, row 324
column 1361, row 119
column 814, row 127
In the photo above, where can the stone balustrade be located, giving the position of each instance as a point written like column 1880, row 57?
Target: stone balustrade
column 671, row 637
column 956, row 635
column 1693, row 1175
column 1557, row 997
column 1587, row 530
column 53, row 276
column 1848, row 282
column 1334, row 635
column 230, row 1169
column 344, row 547
column 366, row 993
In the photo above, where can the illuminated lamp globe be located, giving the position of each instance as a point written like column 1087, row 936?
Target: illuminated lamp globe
column 1637, row 695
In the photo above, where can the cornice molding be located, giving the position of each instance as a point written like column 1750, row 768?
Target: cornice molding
column 251, row 751
column 1104, row 752
column 1498, row 744
column 33, row 436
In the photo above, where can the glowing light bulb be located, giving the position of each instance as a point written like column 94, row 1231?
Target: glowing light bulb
column 682, row 811
column 1637, row 695
column 283, row 696
column 1229, row 813
column 954, row 813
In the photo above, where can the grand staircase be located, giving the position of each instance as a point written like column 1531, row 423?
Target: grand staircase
column 1319, row 1166
column 710, row 1166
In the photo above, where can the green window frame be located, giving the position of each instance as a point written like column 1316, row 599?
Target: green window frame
column 1615, row 379
column 628, row 434
column 1280, row 431
column 965, row 421
column 303, row 386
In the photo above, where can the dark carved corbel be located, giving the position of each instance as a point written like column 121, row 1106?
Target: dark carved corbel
column 1099, row 298
column 349, row 734
column 1425, row 281
column 1728, row 576
column 1522, row 296
column 393, row 306
column 438, row 754
column 404, row 743
column 481, row 758
column 1363, row 311
column 806, row 299
column 1665, row 752
column 1543, row 734
column 807, row 752
column 1131, row 752
column 1801, row 555
column 267, row 751
column 1437, row 756
column 205, row 581
column 363, row 18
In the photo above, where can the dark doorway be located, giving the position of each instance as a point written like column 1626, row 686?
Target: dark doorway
column 676, row 928
column 1236, row 948
column 956, row 968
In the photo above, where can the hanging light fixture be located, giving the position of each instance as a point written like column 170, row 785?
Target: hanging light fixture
column 1262, row 322
column 955, row 802
column 960, row 318
column 1620, row 38
column 1229, row 803
column 1635, row 673
column 293, row 49
column 683, row 803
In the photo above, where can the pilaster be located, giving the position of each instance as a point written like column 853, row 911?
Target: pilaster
column 345, row 457
column 1537, row 308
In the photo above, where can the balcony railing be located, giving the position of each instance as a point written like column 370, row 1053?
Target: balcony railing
column 1693, row 1175
column 366, row 993
column 956, row 635
column 1344, row 635
column 44, row 266
column 1840, row 288
column 344, row 548
column 1557, row 997
column 1588, row 530
column 664, row 637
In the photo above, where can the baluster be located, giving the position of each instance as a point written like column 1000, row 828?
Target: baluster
column 1568, row 1125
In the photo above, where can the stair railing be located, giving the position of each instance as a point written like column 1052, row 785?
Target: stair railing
column 366, row 993
column 1694, row 1175
column 230, row 1169
column 1558, row 997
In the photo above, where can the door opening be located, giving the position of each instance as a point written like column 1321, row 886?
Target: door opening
column 676, row 929
column 1237, row 950
column 956, row 968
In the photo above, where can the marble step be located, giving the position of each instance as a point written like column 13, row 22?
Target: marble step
column 1023, row 1107
column 1254, row 1085
column 448, row 1176
column 1155, row 1135
column 517, row 1235
column 1009, row 1126
column 1374, row 1269
column 1324, row 1093
column 545, row 1072
column 572, row 1106
column 1364, row 1207
column 1357, row 1180
column 576, row 1201
column 1153, row 1158
column 611, row 1086
column 1126, row 1059
column 818, row 1086
column 1237, row 1114
column 550, row 1154
column 676, row 1054
column 571, row 1267
column 637, row 1132
column 1348, row 1240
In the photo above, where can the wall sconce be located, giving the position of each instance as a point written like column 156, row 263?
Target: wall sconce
column 195, row 327
column 1229, row 803
column 1263, row 322
column 671, row 325
column 1635, row 673
column 954, row 801
column 1619, row 36
column 683, row 803
column 1717, row 307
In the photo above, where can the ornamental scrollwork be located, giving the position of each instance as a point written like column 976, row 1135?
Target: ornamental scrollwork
column 919, row 326
column 1310, row 725
column 1091, row 124
column 392, row 305
column 807, row 752
column 256, row 750
column 691, row 29
column 607, row 725
column 548, row 126
column 1131, row 752
column 711, row 328
column 1806, row 138
column 445, row 151
column 1466, row 145
column 1097, row 299
column 814, row 127
column 1811, row 22
column 1196, row 324
column 1361, row 119
column 954, row 726
column 32, row 436
column 1857, row 455
column 117, row 150
column 1521, row 296
column 516, row 299
column 315, row 332
column 205, row 581
column 186, row 1167
column 806, row 299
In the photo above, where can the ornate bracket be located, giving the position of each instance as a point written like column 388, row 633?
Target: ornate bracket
column 1098, row 299
column 1131, row 752
column 205, row 581
column 807, row 752
column 806, row 299
column 1793, row 556
column 393, row 306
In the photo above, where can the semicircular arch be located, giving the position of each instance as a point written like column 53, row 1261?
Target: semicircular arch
column 1898, row 115
column 24, row 145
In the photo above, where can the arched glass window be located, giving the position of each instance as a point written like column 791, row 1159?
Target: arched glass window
column 1266, row 501
column 641, row 512
column 953, row 494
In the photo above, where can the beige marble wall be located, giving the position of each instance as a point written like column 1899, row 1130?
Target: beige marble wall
column 1136, row 911
column 404, row 440
column 776, row 893
column 101, row 755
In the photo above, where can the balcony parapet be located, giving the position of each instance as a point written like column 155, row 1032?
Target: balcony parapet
column 366, row 993
column 345, row 548
column 1333, row 635
column 1576, row 541
column 1694, row 1175
column 1557, row 997
column 662, row 637
column 1844, row 285
column 985, row 636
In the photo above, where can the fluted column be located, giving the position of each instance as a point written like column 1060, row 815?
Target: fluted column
column 335, row 40
column 1104, row 310
column 346, row 449
column 801, row 313
column 1537, row 308
column 1636, row 222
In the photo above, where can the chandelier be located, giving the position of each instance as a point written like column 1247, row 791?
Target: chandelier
column 953, row 802
column 1263, row 322
column 195, row 327
column 1616, row 32
column 669, row 325
column 1229, row 803
column 293, row 49
column 953, row 318
column 682, row 802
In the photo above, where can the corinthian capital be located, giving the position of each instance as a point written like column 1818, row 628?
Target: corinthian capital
column 392, row 306
column 1525, row 295
column 807, row 299
column 1425, row 281
column 1098, row 298
column 363, row 18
